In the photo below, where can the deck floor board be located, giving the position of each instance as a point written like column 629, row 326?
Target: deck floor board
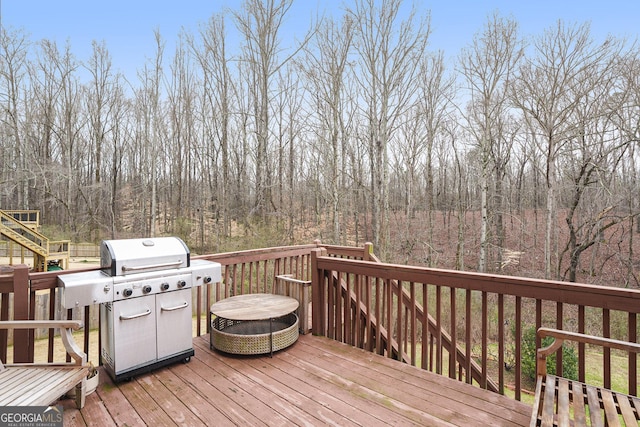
column 316, row 381
column 329, row 405
column 280, row 379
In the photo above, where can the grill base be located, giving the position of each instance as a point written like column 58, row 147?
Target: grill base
column 128, row 374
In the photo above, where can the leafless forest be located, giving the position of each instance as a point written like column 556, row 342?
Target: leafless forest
column 519, row 157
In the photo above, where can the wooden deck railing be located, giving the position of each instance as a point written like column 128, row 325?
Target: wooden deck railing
column 242, row 272
column 391, row 309
column 484, row 315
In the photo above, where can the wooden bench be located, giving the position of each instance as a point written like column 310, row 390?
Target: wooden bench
column 563, row 402
column 41, row 384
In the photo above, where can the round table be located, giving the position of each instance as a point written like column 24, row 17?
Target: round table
column 254, row 323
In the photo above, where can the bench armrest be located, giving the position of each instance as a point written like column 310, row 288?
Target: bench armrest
column 35, row 324
column 65, row 326
column 560, row 336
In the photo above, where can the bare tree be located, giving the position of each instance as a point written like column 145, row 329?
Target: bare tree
column 627, row 120
column 595, row 153
column 488, row 66
column 13, row 57
column 550, row 87
column 120, row 140
column 259, row 23
column 149, row 108
column 59, row 70
column 436, row 94
column 326, row 66
column 99, row 66
column 460, row 183
column 289, row 154
column 181, row 141
column 389, row 53
column 99, row 107
column 217, row 94
column 40, row 116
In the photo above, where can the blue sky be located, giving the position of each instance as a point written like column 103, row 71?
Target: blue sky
column 127, row 26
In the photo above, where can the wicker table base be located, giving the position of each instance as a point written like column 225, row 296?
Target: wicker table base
column 254, row 336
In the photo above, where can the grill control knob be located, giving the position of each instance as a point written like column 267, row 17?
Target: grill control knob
column 207, row 279
column 164, row 286
column 181, row 283
column 127, row 292
column 146, row 289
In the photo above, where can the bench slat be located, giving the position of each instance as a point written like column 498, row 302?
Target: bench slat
column 563, row 401
column 548, row 407
column 53, row 383
column 610, row 409
column 626, row 410
column 636, row 404
column 578, row 403
column 594, row 406
column 35, row 381
column 537, row 405
column 37, row 386
column 16, row 382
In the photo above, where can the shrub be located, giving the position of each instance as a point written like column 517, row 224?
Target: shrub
column 569, row 358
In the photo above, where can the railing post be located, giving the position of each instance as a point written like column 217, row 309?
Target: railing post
column 633, row 362
column 22, row 338
column 368, row 251
column 318, row 303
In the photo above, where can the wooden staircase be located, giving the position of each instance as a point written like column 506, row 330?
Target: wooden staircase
column 21, row 227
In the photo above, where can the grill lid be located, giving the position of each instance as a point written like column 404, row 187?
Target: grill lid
column 128, row 256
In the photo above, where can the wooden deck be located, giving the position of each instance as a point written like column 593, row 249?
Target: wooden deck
column 317, row 381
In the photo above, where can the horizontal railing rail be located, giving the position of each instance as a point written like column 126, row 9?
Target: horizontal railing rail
column 25, row 216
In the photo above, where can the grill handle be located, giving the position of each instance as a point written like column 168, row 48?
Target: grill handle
column 177, row 307
column 135, row 316
column 152, row 266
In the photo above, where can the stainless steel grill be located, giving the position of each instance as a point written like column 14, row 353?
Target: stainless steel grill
column 144, row 292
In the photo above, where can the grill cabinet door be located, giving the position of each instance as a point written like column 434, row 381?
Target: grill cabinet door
column 174, row 322
column 134, row 332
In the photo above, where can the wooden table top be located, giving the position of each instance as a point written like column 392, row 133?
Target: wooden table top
column 254, row 307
